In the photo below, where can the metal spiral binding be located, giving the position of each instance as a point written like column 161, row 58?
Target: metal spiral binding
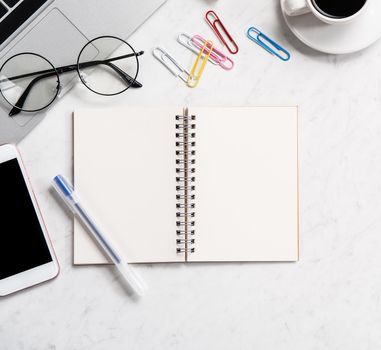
column 185, row 182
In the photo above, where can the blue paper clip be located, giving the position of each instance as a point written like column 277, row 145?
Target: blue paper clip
column 263, row 40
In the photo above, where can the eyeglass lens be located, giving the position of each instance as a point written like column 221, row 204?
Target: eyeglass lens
column 29, row 82
column 115, row 73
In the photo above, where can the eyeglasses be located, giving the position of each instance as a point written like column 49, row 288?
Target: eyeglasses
column 29, row 82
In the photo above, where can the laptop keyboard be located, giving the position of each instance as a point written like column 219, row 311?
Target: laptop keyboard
column 11, row 3
column 14, row 13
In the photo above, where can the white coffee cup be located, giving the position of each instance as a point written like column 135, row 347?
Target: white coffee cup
column 300, row 7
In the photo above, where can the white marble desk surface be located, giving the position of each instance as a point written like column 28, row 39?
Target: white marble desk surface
column 331, row 299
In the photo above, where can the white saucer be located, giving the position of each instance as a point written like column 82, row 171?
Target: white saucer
column 338, row 38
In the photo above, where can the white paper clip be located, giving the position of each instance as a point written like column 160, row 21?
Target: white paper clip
column 172, row 65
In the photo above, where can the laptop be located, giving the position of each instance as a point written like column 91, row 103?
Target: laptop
column 57, row 30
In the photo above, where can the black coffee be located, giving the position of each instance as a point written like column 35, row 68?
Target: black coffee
column 338, row 8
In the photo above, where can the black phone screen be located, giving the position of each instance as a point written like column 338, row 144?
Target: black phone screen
column 22, row 242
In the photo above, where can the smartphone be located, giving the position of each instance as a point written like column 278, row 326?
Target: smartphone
column 26, row 253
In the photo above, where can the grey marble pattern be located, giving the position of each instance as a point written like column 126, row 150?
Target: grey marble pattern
column 330, row 299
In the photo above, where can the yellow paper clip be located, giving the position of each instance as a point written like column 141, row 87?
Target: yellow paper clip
column 193, row 78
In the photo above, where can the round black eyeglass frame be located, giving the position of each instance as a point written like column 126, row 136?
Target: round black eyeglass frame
column 69, row 68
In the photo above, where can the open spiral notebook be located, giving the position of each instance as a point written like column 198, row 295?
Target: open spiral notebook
column 175, row 185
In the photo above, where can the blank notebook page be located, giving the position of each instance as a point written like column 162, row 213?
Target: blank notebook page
column 246, row 184
column 124, row 170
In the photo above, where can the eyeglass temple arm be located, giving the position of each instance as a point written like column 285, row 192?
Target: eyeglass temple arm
column 20, row 102
column 127, row 78
column 72, row 67
column 65, row 69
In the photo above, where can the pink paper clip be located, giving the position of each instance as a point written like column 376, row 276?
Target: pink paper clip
column 216, row 55
column 215, row 23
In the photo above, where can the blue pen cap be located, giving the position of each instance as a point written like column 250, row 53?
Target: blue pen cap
column 64, row 187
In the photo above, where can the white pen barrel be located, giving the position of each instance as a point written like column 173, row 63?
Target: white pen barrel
column 124, row 269
column 66, row 191
column 131, row 278
column 105, row 243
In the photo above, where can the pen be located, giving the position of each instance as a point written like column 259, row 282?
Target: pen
column 68, row 195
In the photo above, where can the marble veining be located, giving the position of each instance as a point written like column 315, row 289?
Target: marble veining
column 330, row 299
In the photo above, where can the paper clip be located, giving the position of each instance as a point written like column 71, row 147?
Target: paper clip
column 215, row 22
column 196, row 43
column 285, row 56
column 186, row 40
column 168, row 61
column 216, row 55
column 194, row 78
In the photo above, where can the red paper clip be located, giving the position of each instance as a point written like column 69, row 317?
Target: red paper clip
column 215, row 22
